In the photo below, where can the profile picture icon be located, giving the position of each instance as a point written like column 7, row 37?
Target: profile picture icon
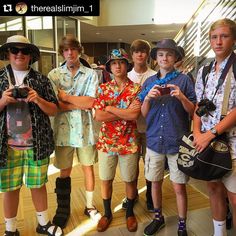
column 21, row 8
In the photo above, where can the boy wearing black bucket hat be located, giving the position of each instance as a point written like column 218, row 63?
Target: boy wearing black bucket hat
column 168, row 99
column 117, row 108
column 26, row 141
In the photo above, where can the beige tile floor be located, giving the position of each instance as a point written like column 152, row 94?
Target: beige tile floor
column 199, row 220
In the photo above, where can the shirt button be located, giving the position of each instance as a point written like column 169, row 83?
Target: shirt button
column 162, row 115
column 160, row 136
column 161, row 126
column 163, row 104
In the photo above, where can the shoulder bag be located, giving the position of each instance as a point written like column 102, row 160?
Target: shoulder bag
column 215, row 160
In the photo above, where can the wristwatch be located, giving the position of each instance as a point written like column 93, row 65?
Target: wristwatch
column 214, row 131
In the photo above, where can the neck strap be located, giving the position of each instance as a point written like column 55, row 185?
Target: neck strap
column 10, row 74
column 226, row 93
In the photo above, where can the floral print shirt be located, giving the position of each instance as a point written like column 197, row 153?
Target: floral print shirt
column 74, row 128
column 119, row 136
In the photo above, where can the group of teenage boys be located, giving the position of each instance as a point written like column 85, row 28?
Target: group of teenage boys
column 143, row 113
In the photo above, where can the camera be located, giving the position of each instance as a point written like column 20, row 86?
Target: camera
column 204, row 107
column 20, row 92
column 164, row 90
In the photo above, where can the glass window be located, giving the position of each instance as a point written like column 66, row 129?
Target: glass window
column 65, row 25
column 46, row 63
column 10, row 25
column 40, row 31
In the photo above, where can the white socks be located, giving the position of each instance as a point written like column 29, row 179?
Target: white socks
column 219, row 228
column 43, row 220
column 10, row 224
column 89, row 199
column 42, row 217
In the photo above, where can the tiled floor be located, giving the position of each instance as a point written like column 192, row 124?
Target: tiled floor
column 199, row 218
column 199, row 224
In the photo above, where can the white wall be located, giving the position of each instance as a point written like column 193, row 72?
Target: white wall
column 141, row 12
column 126, row 12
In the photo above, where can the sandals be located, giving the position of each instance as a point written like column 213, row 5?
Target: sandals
column 9, row 233
column 49, row 229
column 93, row 213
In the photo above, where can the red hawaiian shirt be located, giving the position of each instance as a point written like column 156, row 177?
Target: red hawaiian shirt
column 119, row 136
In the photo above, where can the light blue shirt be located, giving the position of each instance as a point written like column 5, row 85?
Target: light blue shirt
column 74, row 128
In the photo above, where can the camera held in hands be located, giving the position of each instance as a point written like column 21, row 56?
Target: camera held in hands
column 20, row 92
column 205, row 106
column 164, row 90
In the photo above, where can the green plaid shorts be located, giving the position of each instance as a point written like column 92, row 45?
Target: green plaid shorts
column 21, row 166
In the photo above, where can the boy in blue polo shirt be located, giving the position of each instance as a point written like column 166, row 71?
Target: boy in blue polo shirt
column 168, row 101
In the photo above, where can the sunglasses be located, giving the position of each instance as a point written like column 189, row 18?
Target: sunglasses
column 24, row 51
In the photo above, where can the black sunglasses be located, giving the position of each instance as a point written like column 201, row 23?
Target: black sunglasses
column 15, row 50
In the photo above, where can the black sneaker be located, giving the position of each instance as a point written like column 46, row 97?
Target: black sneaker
column 125, row 202
column 154, row 227
column 9, row 233
column 182, row 232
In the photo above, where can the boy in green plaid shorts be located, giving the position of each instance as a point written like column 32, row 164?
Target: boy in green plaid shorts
column 26, row 140
column 20, row 163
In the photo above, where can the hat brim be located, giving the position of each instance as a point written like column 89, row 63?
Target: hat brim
column 35, row 53
column 153, row 53
column 108, row 68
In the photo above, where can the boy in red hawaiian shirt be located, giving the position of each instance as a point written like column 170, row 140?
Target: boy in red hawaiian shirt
column 117, row 108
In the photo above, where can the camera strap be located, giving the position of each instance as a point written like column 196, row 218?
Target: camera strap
column 226, row 94
column 231, row 60
column 11, row 77
column 10, row 74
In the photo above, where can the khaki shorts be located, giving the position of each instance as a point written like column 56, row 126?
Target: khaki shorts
column 229, row 180
column 87, row 156
column 155, row 166
column 127, row 163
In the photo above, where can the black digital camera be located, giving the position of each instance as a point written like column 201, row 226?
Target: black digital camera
column 204, row 107
column 20, row 92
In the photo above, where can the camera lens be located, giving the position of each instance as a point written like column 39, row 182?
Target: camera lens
column 23, row 92
column 19, row 92
column 15, row 93
column 204, row 107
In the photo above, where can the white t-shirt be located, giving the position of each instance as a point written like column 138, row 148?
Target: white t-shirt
column 140, row 79
column 19, row 76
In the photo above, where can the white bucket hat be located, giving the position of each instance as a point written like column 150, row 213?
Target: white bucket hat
column 19, row 40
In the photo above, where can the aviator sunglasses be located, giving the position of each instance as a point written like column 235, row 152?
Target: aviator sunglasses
column 15, row 50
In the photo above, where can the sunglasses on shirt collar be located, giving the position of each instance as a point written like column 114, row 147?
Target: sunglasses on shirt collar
column 24, row 51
